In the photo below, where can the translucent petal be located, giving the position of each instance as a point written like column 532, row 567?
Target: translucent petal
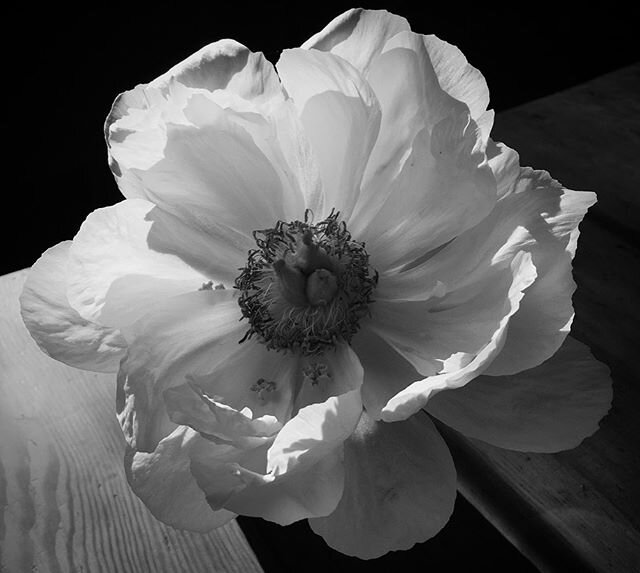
column 358, row 35
column 340, row 116
column 400, row 488
column 549, row 408
column 459, row 370
column 162, row 479
column 224, row 65
column 57, row 328
column 122, row 266
column 188, row 335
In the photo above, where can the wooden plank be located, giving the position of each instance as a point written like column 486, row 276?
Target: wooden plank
column 580, row 510
column 64, row 500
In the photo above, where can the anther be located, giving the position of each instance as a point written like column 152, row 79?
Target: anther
column 263, row 388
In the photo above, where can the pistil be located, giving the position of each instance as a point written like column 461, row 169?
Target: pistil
column 306, row 287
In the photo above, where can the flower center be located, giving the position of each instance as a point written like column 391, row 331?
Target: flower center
column 306, row 287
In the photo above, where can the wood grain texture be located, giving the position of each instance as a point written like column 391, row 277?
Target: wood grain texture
column 65, row 505
column 580, row 510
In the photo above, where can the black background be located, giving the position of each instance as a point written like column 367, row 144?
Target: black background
column 63, row 68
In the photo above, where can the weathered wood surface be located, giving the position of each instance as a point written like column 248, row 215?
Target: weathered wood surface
column 580, row 510
column 64, row 501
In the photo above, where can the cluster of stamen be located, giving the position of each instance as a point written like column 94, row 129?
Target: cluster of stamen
column 306, row 287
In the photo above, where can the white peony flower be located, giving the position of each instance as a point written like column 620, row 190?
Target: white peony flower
column 305, row 261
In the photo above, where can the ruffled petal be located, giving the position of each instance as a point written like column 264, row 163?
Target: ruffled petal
column 128, row 258
column 188, row 335
column 535, row 214
column 188, row 405
column 400, row 488
column 457, row 76
column 214, row 175
column 358, row 35
column 341, row 118
column 57, row 328
column 549, row 408
column 461, row 367
column 224, row 65
column 300, row 476
column 162, row 479
column 455, row 326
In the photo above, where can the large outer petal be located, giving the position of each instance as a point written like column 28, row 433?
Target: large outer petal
column 359, row 36
column 190, row 334
column 212, row 170
column 162, row 479
column 460, row 368
column 546, row 312
column 400, row 488
column 56, row 327
column 549, row 408
column 115, row 273
column 222, row 65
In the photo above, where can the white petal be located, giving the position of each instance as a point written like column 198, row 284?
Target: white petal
column 57, row 328
column 340, row 116
column 458, row 370
column 251, row 376
column 549, row 408
column 358, row 35
column 215, row 175
column 400, row 488
column 330, row 374
column 162, row 479
column 386, row 372
column 187, row 405
column 224, row 65
column 314, row 432
column 423, row 129
column 545, row 315
column 311, row 492
column 455, row 326
column 121, row 264
column 190, row 334
column 444, row 189
column 457, row 77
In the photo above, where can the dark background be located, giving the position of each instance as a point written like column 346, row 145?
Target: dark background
column 63, row 68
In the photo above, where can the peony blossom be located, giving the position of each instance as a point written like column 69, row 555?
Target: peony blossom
column 311, row 261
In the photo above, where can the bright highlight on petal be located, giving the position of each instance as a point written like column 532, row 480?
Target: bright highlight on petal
column 307, row 256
